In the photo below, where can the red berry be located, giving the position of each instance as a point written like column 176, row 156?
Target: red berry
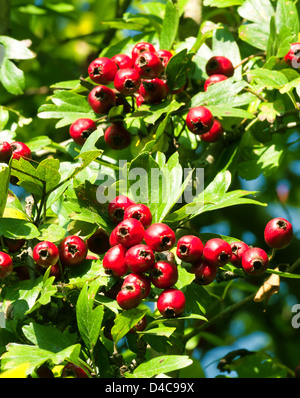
column 13, row 245
column 129, row 232
column 293, row 54
column 171, row 303
column 6, row 265
column 153, row 90
column 122, row 61
column 164, row 56
column 142, row 280
column 139, row 258
column 112, row 238
column 238, row 249
column 102, row 70
column 164, row 274
column 45, row 254
column 204, row 272
column 199, row 120
column 72, row 250
column 98, row 242
column 219, row 65
column 140, row 212
column 148, row 65
column 140, row 100
column 140, row 326
column 189, row 248
column 140, row 48
column 255, row 261
column 20, row 150
column 213, row 79
column 101, row 99
column 127, row 81
column 81, row 129
column 117, row 137
column 5, row 151
column 278, row 233
column 117, row 207
column 114, row 261
column 55, row 271
column 214, row 134
column 72, row 370
column 129, row 296
column 217, row 251
column 160, row 237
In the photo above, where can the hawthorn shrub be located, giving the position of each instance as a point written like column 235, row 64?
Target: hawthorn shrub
column 116, row 170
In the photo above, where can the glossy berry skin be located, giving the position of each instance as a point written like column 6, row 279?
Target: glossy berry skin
column 81, row 129
column 129, row 296
column 217, row 251
column 164, row 56
column 112, row 238
column 122, row 61
column 98, row 242
column 101, row 99
column 102, row 70
column 72, row 250
column 171, row 303
column 205, row 272
column 127, row 81
column 189, row 248
column 153, row 91
column 293, row 54
column 117, row 137
column 140, row 212
column 278, row 233
column 117, row 207
column 5, row 152
column 72, row 370
column 164, row 274
column 219, row 65
column 129, row 232
column 140, row 48
column 213, row 79
column 199, row 120
column 139, row 100
column 139, row 258
column 214, row 134
column 20, row 150
column 140, row 326
column 45, row 254
column 238, row 249
column 140, row 279
column 255, row 261
column 114, row 261
column 148, row 65
column 160, row 237
column 6, row 265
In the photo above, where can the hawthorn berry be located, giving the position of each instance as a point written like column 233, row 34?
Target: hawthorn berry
column 72, row 370
column 160, row 237
column 81, row 129
column 5, row 151
column 117, row 207
column 171, row 303
column 72, row 250
column 213, row 79
column 140, row 326
column 101, row 99
column 117, row 137
column 141, row 212
column 164, row 274
column 152, row 90
column 217, row 251
column 293, row 53
column 219, row 65
column 189, row 248
column 278, row 233
column 140, row 279
column 102, row 70
column 20, row 150
column 114, row 261
column 45, row 253
column 139, row 258
column 140, row 48
column 6, row 265
column 127, row 81
column 255, row 261
column 123, row 61
column 164, row 56
column 140, row 100
column 98, row 242
column 199, row 120
column 130, row 232
column 148, row 65
column 214, row 134
column 204, row 272
column 13, row 245
column 238, row 249
column 112, row 238
column 129, row 296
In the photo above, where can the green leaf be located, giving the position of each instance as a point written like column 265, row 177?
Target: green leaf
column 178, row 68
column 258, row 11
column 12, row 77
column 269, row 78
column 18, row 229
column 125, row 321
column 15, row 49
column 170, row 25
column 287, row 16
column 4, row 184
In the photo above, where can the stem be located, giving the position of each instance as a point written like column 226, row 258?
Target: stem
column 261, row 54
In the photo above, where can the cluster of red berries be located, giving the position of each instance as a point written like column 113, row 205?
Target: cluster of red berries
column 140, row 76
column 15, row 150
